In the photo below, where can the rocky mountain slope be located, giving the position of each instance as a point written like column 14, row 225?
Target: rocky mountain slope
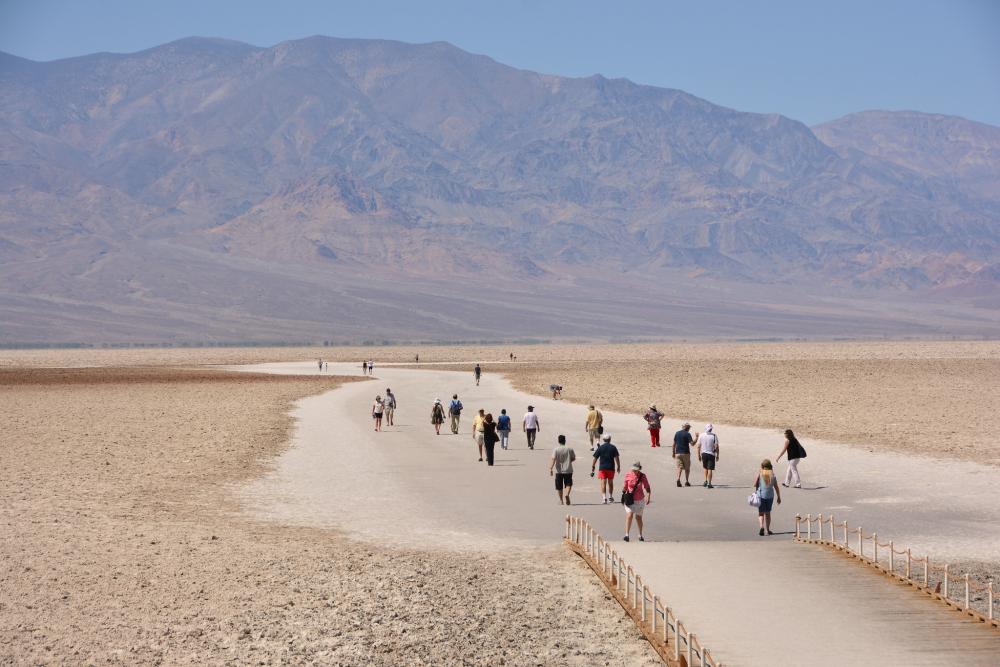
column 331, row 188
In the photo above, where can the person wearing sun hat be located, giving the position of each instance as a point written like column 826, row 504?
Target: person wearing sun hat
column 437, row 415
column 638, row 484
column 708, row 447
column 653, row 418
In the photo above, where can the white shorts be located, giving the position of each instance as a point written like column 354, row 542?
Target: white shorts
column 636, row 507
column 480, row 438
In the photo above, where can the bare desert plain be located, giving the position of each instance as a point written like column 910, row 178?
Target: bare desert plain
column 124, row 543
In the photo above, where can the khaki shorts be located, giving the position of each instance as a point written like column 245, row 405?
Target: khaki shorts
column 684, row 462
column 594, row 433
column 636, row 508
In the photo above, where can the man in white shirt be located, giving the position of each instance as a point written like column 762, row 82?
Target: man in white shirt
column 531, row 426
column 561, row 466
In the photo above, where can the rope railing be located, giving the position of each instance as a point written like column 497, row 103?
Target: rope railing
column 973, row 597
column 677, row 645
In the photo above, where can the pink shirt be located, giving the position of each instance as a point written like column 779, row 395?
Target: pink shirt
column 636, row 481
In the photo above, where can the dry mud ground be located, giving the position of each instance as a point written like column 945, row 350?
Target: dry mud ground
column 121, row 545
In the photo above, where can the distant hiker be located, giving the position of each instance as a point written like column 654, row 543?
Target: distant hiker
column 653, row 419
column 556, row 390
column 390, row 405
column 531, row 426
column 437, row 415
column 489, row 437
column 478, row 431
column 767, row 490
column 319, row 362
column 512, row 356
column 708, row 446
column 503, row 429
column 371, row 367
column 682, row 453
column 795, row 451
column 478, row 373
column 455, row 412
column 593, row 426
column 326, row 366
column 378, row 407
column 364, row 367
column 561, row 465
column 607, row 462
column 635, row 484
column 416, row 358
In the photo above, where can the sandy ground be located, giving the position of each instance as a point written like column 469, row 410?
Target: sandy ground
column 934, row 398
column 122, row 545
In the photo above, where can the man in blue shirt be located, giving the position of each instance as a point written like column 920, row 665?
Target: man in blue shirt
column 503, row 428
column 607, row 461
column 455, row 411
column 682, row 453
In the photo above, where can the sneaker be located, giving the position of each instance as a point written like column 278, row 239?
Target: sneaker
column 704, row 483
column 761, row 532
column 567, row 501
column 798, row 486
column 678, row 483
column 642, row 539
column 625, row 538
column 710, row 486
column 687, row 483
column 784, row 485
column 770, row 533
column 480, row 458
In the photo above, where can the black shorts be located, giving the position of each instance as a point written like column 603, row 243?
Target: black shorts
column 563, row 479
column 708, row 461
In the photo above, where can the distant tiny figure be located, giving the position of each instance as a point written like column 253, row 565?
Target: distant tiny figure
column 364, row 367
column 319, row 362
column 593, row 425
column 416, row 358
column 556, row 390
column 531, row 426
column 795, row 452
column 637, row 484
column 708, row 446
column 607, row 462
column 478, row 372
column 489, row 437
column 478, row 431
column 682, row 453
column 371, row 367
column 561, row 466
column 503, row 429
column 767, row 490
column 390, row 405
column 653, row 419
column 437, row 415
column 512, row 356
column 378, row 407
column 455, row 412
column 326, row 366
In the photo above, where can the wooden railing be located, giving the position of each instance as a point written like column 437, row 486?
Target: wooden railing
column 974, row 598
column 669, row 637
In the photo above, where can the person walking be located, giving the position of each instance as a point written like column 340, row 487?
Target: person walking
column 637, row 484
column 478, row 373
column 320, row 363
column 531, row 426
column 489, row 437
column 607, row 462
column 503, row 428
column 795, row 452
column 437, row 415
column 477, row 431
column 767, row 490
column 371, row 367
column 595, row 420
column 390, row 405
column 364, row 367
column 708, row 447
column 455, row 412
column 561, row 466
column 682, row 453
column 653, row 419
column 378, row 407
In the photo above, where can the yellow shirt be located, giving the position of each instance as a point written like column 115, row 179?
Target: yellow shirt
column 594, row 420
column 477, row 423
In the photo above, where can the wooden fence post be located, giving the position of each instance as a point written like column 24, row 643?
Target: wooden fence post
column 691, row 637
column 861, row 543
column 677, row 639
column 809, row 526
column 845, row 534
column 819, row 524
column 966, row 590
column 832, row 538
column 798, row 519
column 656, row 603
column 567, row 526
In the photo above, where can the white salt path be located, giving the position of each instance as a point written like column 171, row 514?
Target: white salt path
column 408, row 487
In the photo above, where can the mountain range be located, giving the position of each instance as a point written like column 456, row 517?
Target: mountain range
column 340, row 189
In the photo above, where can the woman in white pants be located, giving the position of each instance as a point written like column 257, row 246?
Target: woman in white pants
column 794, row 450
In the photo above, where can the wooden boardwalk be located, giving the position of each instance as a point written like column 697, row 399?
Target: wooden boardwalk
column 782, row 603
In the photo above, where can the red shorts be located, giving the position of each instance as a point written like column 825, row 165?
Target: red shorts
column 605, row 474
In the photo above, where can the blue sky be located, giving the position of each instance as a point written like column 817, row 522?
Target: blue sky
column 812, row 61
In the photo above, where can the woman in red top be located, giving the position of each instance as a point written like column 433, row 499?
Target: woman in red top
column 642, row 495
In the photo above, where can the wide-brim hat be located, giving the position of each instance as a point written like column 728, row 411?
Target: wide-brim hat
column 637, row 466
